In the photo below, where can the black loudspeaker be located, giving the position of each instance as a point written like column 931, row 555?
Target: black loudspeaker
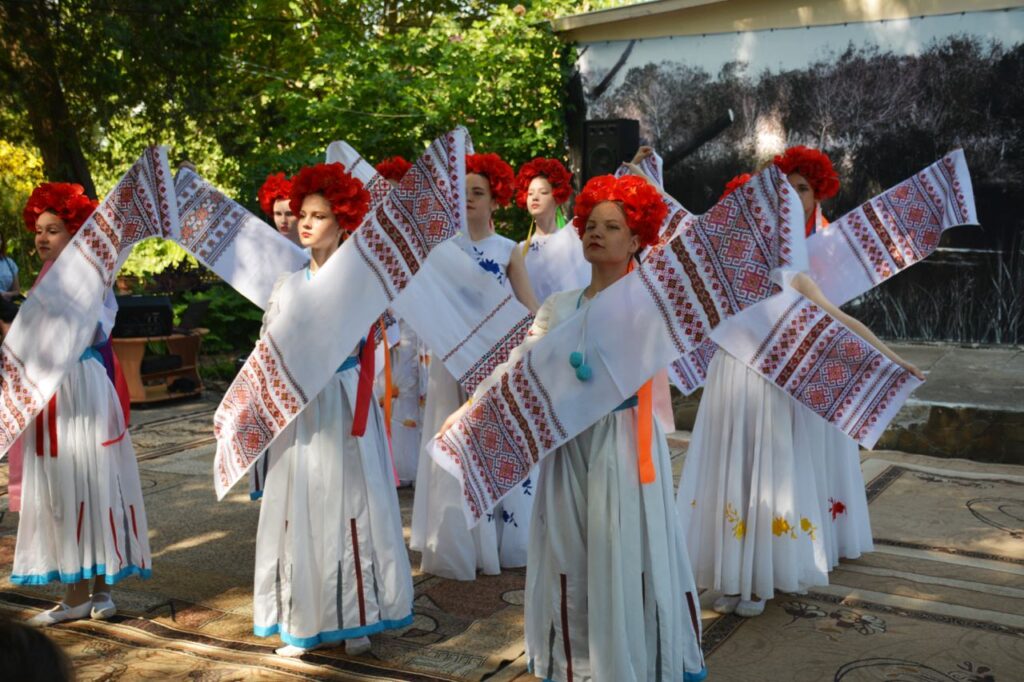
column 143, row 316
column 606, row 144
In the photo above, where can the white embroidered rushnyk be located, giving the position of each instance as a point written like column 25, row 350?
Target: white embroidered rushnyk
column 715, row 265
column 240, row 248
column 481, row 321
column 866, row 246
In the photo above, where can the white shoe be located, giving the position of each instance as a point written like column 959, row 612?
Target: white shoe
column 60, row 613
column 749, row 609
column 725, row 604
column 357, row 646
column 292, row 651
column 102, row 606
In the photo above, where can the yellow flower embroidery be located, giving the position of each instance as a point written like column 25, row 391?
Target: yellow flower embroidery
column 780, row 526
column 739, row 527
column 807, row 527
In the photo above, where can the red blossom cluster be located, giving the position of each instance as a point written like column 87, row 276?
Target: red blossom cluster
column 498, row 173
column 813, row 165
column 275, row 188
column 552, row 169
column 734, row 184
column 66, row 200
column 393, row 168
column 642, row 204
column 348, row 198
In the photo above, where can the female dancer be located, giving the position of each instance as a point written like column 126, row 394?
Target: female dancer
column 273, row 198
column 439, row 529
column 842, row 498
column 542, row 188
column 331, row 563
column 749, row 493
column 82, row 514
column 609, row 592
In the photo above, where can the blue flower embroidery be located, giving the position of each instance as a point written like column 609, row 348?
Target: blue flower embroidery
column 490, row 265
column 509, row 518
column 528, row 487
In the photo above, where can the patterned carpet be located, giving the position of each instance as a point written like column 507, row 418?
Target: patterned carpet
column 941, row 598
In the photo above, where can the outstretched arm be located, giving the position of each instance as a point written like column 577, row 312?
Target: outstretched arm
column 806, row 286
column 520, row 281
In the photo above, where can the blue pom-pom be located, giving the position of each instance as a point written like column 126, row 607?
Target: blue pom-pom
column 575, row 358
column 583, row 373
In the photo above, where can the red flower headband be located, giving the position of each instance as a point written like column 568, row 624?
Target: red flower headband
column 734, row 184
column 813, row 165
column 348, row 198
column 393, row 168
column 66, row 200
column 498, row 173
column 640, row 201
column 552, row 169
column 275, row 188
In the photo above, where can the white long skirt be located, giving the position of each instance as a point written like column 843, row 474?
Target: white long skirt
column 331, row 563
column 748, row 496
column 449, row 548
column 846, row 525
column 82, row 513
column 609, row 589
column 409, row 374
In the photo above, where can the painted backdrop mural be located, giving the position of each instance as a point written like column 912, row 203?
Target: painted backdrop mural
column 883, row 99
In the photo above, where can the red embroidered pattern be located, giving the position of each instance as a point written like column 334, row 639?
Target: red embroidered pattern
column 378, row 187
column 721, row 262
column 904, row 224
column 502, row 436
column 496, row 355
column 22, row 399
column 209, row 220
column 258, row 405
column 421, row 212
column 829, row 369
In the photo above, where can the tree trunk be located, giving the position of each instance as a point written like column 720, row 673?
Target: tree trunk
column 27, row 53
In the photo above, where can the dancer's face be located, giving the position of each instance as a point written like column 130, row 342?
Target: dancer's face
column 479, row 202
column 607, row 238
column 318, row 228
column 540, row 199
column 51, row 236
column 284, row 220
column 804, row 191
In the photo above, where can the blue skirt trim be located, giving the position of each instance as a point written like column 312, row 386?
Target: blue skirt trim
column 82, row 574
column 332, row 635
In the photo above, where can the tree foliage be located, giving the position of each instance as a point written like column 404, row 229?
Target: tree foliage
column 243, row 88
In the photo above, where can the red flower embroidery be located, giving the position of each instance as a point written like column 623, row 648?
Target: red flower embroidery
column 836, row 507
